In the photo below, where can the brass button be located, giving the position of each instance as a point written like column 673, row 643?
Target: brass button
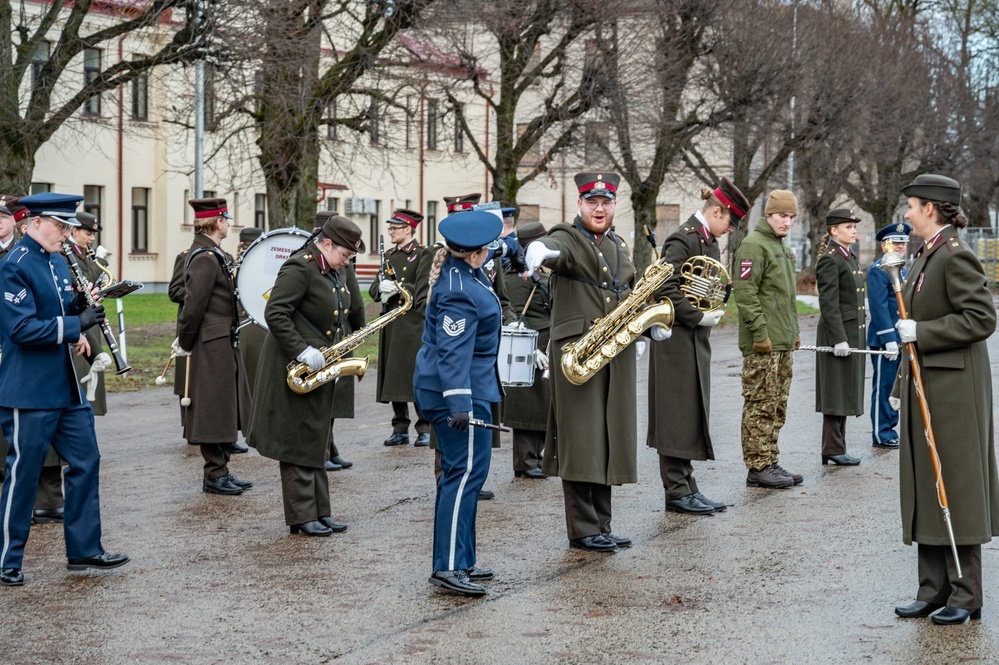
column 605, row 268
column 608, row 298
column 329, row 332
column 336, row 312
column 404, row 268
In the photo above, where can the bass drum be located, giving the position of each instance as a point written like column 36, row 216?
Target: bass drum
column 257, row 269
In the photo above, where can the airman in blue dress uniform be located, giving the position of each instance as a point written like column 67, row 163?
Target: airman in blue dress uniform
column 882, row 336
column 456, row 379
column 41, row 403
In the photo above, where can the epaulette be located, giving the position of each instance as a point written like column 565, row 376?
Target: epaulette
column 689, row 228
column 830, row 252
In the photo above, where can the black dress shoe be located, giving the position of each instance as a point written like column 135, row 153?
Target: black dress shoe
column 333, row 524
column 397, row 439
column 841, row 460
column 422, row 440
column 688, row 504
column 886, row 444
column 316, row 528
column 949, row 616
column 330, row 465
column 237, row 448
column 717, row 505
column 620, row 541
column 485, row 495
column 11, row 577
column 49, row 516
column 537, row 474
column 221, row 485
column 595, row 543
column 100, row 562
column 336, row 459
column 241, row 484
column 478, row 574
column 457, row 581
column 918, row 610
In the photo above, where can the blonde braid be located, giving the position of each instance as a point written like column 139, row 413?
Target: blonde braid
column 435, row 268
column 825, row 243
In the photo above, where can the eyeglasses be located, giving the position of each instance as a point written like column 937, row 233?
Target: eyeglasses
column 62, row 226
column 593, row 204
column 347, row 256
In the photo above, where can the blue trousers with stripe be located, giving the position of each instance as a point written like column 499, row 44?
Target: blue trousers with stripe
column 465, row 458
column 883, row 418
column 30, row 432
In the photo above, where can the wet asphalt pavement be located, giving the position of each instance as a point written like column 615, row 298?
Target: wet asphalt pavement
column 806, row 575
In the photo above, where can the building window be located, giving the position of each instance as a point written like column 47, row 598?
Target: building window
column 260, row 211
column 92, row 195
column 40, row 187
column 375, row 217
column 431, row 125
column 459, row 134
column 91, row 72
column 187, row 208
column 333, row 204
column 331, row 116
column 140, row 97
column 373, row 120
column 38, row 60
column 140, row 219
column 431, row 223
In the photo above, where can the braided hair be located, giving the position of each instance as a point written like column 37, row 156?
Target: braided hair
column 435, row 268
column 825, row 242
column 947, row 213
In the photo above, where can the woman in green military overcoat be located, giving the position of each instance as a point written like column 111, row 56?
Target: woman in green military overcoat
column 839, row 376
column 951, row 316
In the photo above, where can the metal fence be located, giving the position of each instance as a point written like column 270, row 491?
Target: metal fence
column 985, row 243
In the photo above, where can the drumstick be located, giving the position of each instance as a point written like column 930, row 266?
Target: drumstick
column 161, row 379
column 185, row 400
column 527, row 304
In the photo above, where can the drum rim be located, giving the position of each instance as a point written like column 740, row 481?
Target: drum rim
column 284, row 230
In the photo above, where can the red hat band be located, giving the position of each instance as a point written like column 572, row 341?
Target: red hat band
column 598, row 185
column 204, row 214
column 400, row 218
column 727, row 202
column 456, row 207
column 20, row 214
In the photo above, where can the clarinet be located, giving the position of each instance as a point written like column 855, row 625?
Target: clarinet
column 84, row 287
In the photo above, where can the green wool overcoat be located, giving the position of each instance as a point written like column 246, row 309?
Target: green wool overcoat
column 946, row 293
column 592, row 429
column 839, row 382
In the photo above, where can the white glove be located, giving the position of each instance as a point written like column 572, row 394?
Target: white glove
column 906, row 330
column 841, row 350
column 101, row 362
column 388, row 288
column 540, row 360
column 892, row 350
column 101, row 252
column 177, row 351
column 659, row 334
column 640, row 346
column 895, row 403
column 711, row 318
column 312, row 357
column 537, row 253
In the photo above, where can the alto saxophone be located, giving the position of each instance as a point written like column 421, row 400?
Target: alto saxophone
column 616, row 331
column 300, row 380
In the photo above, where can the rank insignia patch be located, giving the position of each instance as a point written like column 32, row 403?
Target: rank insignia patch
column 745, row 268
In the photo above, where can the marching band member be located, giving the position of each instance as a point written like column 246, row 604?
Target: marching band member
column 307, row 310
column 680, row 369
column 41, row 402
column 951, row 316
column 525, row 409
column 882, row 336
column 11, row 213
column 592, row 433
column 399, row 341
column 206, row 335
column 456, row 379
column 839, row 377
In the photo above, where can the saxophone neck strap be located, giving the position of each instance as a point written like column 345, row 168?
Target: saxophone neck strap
column 312, row 326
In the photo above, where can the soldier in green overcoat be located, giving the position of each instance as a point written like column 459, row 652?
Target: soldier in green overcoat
column 525, row 409
column 592, row 433
column 399, row 341
column 951, row 316
column 307, row 311
column 839, row 376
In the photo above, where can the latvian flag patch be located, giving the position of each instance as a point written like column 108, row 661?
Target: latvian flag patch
column 745, row 268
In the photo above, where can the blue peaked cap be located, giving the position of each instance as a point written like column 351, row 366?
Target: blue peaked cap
column 898, row 232
column 470, row 230
column 508, row 212
column 50, row 204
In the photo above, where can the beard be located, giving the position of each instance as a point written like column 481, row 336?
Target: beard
column 597, row 225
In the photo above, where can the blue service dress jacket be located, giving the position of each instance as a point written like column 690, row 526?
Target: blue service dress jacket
column 461, row 336
column 38, row 326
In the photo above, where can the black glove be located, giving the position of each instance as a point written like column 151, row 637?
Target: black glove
column 458, row 421
column 92, row 316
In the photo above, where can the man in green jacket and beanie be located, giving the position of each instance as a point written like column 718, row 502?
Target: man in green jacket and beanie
column 768, row 334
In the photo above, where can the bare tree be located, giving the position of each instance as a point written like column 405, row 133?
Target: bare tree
column 38, row 49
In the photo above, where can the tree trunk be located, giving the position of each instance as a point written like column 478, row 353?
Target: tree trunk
column 17, row 167
column 643, row 203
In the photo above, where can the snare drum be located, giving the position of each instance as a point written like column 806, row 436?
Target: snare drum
column 516, row 356
column 258, row 267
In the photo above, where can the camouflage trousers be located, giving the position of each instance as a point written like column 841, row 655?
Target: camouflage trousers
column 766, row 383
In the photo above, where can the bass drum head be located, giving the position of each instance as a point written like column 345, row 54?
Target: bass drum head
column 258, row 267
